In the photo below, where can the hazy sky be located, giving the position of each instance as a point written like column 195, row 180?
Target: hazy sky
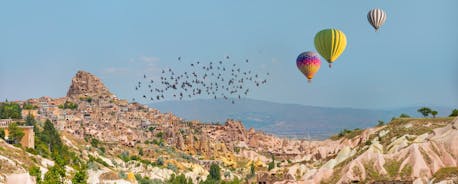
column 412, row 60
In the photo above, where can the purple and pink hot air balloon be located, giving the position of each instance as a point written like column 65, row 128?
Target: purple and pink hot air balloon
column 308, row 63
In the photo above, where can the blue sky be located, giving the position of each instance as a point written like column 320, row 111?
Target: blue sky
column 411, row 61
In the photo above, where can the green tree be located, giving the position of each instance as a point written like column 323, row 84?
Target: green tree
column 15, row 133
column 35, row 172
column 180, row 179
column 434, row 113
column 51, row 136
column 51, row 142
column 80, row 176
column 424, row 111
column 2, row 133
column 271, row 164
column 404, row 115
column 10, row 110
column 95, row 142
column 160, row 161
column 68, row 105
column 30, row 120
column 151, row 129
column 172, row 167
column 454, row 113
column 252, row 170
column 54, row 175
column 215, row 172
column 380, row 123
column 29, row 106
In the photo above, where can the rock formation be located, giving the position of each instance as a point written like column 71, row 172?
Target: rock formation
column 85, row 84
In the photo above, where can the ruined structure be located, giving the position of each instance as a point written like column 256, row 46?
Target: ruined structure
column 28, row 140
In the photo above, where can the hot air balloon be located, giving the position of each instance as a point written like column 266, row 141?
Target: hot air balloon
column 308, row 63
column 330, row 43
column 376, row 18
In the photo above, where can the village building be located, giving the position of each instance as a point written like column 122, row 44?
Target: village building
column 28, row 140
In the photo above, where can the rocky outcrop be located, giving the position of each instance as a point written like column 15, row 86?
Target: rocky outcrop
column 408, row 157
column 86, row 84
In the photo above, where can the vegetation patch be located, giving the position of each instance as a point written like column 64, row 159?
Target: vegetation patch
column 392, row 167
column 68, row 105
column 428, row 159
column 406, row 171
column 372, row 173
column 419, row 126
column 349, row 134
column 109, row 176
column 445, row 173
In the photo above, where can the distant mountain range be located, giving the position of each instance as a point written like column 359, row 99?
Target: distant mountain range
column 289, row 120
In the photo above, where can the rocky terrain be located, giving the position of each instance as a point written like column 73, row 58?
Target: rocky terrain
column 130, row 138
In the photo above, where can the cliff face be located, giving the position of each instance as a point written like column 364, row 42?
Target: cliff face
column 86, row 84
column 406, row 149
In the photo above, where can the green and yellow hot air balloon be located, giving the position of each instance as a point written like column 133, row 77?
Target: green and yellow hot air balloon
column 330, row 43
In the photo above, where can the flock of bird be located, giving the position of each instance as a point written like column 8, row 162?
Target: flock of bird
column 221, row 79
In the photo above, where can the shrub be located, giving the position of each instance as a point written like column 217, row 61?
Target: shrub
column 29, row 106
column 172, row 167
column 215, row 172
column 425, row 111
column 454, row 113
column 151, row 129
column 2, row 133
column 446, row 172
column 80, row 176
column 160, row 161
column 10, row 110
column 404, row 116
column 140, row 151
column 99, row 160
column 392, row 167
column 236, row 149
column 68, row 105
column 54, row 175
column 122, row 174
column 35, row 171
column 271, row 164
column 124, row 156
column 180, row 179
column 15, row 133
column 434, row 113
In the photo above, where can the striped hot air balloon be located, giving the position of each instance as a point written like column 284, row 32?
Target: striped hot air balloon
column 308, row 63
column 376, row 18
column 330, row 43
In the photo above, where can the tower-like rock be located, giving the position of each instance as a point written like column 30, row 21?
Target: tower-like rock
column 84, row 84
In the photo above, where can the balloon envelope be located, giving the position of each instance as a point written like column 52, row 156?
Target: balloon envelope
column 308, row 63
column 330, row 43
column 376, row 18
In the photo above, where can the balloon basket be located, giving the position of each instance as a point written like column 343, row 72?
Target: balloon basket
column 309, row 81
